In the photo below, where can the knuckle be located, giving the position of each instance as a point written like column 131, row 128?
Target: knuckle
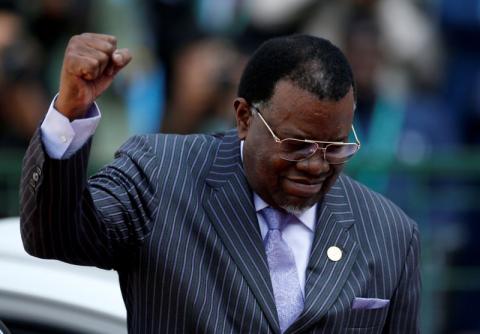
column 88, row 66
column 113, row 42
column 110, row 47
column 77, row 38
column 102, row 56
column 94, row 63
column 72, row 41
column 70, row 61
column 75, row 41
column 70, row 53
column 103, row 59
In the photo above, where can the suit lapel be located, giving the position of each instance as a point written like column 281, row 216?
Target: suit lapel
column 229, row 206
column 325, row 278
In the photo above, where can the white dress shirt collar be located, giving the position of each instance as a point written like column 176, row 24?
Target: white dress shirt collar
column 307, row 217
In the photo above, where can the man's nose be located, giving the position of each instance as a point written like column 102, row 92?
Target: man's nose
column 315, row 165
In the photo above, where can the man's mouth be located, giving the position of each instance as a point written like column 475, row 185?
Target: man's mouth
column 302, row 187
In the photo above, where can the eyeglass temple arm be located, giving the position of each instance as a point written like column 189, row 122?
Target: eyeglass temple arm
column 278, row 140
column 356, row 138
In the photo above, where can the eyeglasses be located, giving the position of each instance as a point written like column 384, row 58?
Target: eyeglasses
column 293, row 149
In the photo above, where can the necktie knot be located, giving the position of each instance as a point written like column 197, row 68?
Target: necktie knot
column 275, row 219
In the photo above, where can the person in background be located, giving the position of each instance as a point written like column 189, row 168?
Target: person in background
column 22, row 96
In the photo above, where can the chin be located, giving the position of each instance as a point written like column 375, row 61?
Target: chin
column 297, row 205
column 295, row 210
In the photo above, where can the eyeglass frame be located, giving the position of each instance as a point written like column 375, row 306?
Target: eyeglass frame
column 317, row 142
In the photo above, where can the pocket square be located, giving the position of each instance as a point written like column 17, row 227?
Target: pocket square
column 368, row 303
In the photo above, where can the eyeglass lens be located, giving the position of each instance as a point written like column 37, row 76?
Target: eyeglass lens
column 334, row 154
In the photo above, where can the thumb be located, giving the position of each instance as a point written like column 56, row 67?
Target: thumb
column 119, row 59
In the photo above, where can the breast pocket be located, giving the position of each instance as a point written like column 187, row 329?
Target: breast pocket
column 367, row 320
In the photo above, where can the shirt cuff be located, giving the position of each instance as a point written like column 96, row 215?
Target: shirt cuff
column 62, row 138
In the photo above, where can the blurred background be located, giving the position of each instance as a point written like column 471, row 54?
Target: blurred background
column 417, row 68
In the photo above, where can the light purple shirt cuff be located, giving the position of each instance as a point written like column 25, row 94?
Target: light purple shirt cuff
column 63, row 138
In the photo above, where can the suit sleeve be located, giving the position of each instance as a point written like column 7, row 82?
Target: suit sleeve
column 403, row 315
column 96, row 222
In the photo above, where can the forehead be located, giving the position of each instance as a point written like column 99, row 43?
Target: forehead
column 295, row 112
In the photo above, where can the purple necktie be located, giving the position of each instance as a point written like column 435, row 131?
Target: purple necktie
column 283, row 270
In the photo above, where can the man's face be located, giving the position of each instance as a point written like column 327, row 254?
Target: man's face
column 292, row 113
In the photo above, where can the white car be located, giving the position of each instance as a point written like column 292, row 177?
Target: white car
column 48, row 296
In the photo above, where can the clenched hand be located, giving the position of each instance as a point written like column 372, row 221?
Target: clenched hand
column 91, row 62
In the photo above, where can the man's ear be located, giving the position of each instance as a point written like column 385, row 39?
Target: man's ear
column 243, row 115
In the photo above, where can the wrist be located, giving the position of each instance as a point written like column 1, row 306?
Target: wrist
column 70, row 109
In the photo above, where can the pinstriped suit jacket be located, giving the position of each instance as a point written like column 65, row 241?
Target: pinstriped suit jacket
column 174, row 216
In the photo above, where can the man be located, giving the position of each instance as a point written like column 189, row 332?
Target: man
column 251, row 231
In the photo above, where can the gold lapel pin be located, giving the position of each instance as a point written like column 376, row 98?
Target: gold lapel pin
column 334, row 253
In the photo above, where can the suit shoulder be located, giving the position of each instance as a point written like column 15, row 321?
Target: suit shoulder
column 373, row 207
column 169, row 145
column 192, row 153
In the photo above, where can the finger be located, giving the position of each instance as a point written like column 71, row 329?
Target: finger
column 121, row 57
column 87, row 68
column 102, row 57
column 107, row 38
column 101, row 45
column 106, row 43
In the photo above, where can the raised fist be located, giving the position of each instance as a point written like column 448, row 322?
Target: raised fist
column 91, row 62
